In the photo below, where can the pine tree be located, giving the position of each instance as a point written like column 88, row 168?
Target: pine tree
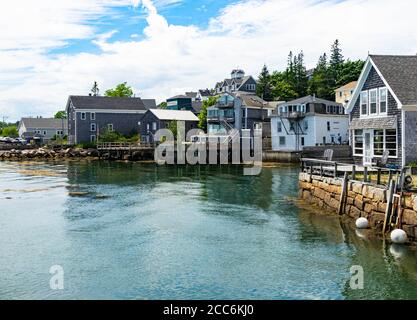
column 95, row 90
column 264, row 87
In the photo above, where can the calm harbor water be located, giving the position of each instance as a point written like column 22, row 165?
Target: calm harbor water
column 149, row 232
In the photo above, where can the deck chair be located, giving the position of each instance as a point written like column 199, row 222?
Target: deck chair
column 384, row 160
column 328, row 154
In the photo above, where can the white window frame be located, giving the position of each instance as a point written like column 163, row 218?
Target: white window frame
column 354, row 143
column 91, row 127
column 83, row 115
column 285, row 141
column 110, row 127
column 279, row 126
column 364, row 101
column 370, row 92
column 386, row 101
column 154, row 124
column 92, row 116
column 93, row 138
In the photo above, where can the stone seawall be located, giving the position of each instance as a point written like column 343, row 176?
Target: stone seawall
column 363, row 200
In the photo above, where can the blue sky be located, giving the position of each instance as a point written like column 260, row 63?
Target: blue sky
column 52, row 49
column 130, row 21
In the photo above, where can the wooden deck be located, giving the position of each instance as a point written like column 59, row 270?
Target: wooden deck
column 334, row 169
column 123, row 146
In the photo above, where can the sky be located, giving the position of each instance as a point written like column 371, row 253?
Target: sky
column 52, row 49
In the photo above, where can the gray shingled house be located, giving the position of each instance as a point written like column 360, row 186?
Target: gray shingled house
column 43, row 128
column 239, row 110
column 89, row 116
column 157, row 119
column 238, row 82
column 383, row 110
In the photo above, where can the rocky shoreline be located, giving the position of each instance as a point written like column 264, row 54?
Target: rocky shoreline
column 45, row 153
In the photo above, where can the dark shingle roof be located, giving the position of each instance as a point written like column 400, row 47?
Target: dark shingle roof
column 376, row 123
column 44, row 123
column 181, row 96
column 149, row 103
column 401, row 74
column 312, row 99
column 93, row 102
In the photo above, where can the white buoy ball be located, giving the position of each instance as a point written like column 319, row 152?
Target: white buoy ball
column 399, row 236
column 362, row 223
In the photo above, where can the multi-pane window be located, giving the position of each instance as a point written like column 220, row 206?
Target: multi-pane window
column 378, row 142
column 279, row 127
column 92, row 116
column 391, row 142
column 110, row 127
column 83, row 115
column 383, row 92
column 93, row 127
column 358, row 142
column 364, row 103
column 282, row 141
column 373, row 99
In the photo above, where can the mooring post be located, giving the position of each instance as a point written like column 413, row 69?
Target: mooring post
column 389, row 177
column 343, row 195
column 365, row 174
column 378, row 179
column 354, row 172
column 311, row 172
column 335, row 169
column 390, row 199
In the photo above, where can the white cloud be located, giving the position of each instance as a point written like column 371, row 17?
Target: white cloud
column 169, row 59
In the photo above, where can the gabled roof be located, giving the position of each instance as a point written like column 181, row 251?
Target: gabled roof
column 107, row 103
column 177, row 115
column 245, row 79
column 399, row 74
column 311, row 99
column 44, row 123
column 180, row 96
column 149, row 103
column 348, row 86
column 205, row 92
column 191, row 94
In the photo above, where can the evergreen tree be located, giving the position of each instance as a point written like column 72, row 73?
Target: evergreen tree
column 95, row 90
column 264, row 87
column 300, row 73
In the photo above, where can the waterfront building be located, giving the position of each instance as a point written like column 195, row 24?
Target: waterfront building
column 187, row 102
column 240, row 110
column 156, row 119
column 43, row 129
column 306, row 122
column 237, row 82
column 344, row 93
column 383, row 110
column 90, row 116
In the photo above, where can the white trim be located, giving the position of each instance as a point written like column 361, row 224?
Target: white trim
column 402, row 138
column 112, row 127
column 91, row 127
column 362, row 78
column 387, row 85
column 361, row 103
column 111, row 111
column 91, row 116
column 370, row 92
column 386, row 101
column 85, row 115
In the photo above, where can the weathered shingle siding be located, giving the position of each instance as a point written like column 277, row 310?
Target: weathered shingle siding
column 410, row 128
column 372, row 82
column 124, row 123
